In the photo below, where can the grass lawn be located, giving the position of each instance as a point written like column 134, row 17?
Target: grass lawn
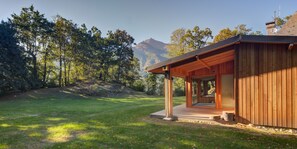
column 52, row 119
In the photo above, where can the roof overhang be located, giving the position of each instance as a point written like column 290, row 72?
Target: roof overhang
column 157, row 68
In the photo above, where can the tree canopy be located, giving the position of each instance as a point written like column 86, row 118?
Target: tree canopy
column 176, row 47
column 240, row 29
column 13, row 73
column 281, row 21
column 183, row 41
column 37, row 52
column 196, row 38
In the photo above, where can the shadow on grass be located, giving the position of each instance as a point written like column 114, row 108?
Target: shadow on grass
column 65, row 120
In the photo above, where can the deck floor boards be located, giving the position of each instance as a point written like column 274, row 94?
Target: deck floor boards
column 194, row 113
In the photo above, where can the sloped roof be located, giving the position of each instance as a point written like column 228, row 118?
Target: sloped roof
column 276, row 39
column 290, row 28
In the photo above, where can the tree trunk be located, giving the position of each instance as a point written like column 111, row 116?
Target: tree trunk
column 119, row 74
column 76, row 74
column 68, row 77
column 119, row 69
column 105, row 73
column 44, row 67
column 35, row 75
column 44, row 72
column 60, row 68
column 47, row 75
column 65, row 72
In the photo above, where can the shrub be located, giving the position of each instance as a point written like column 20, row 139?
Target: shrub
column 138, row 85
column 179, row 92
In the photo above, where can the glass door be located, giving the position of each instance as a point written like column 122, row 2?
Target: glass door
column 227, row 91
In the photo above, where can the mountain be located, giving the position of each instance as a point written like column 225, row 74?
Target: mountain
column 150, row 52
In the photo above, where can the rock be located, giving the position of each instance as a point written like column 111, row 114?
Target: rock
column 251, row 125
column 291, row 131
column 227, row 116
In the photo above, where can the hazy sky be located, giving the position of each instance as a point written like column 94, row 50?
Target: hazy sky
column 157, row 19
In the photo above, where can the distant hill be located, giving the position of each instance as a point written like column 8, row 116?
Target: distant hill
column 150, row 52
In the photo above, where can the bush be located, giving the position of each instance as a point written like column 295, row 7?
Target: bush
column 138, row 85
column 179, row 92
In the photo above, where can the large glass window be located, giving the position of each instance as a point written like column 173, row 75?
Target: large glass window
column 227, row 91
column 206, row 91
column 208, row 86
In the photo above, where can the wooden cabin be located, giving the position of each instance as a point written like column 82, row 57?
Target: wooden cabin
column 255, row 75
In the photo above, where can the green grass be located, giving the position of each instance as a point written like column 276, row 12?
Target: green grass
column 53, row 119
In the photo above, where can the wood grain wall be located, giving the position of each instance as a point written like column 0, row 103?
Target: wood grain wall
column 217, row 71
column 266, row 84
column 223, row 68
column 202, row 99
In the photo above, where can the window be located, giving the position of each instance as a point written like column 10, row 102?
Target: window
column 207, row 87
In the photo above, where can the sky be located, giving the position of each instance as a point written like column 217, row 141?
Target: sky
column 144, row 19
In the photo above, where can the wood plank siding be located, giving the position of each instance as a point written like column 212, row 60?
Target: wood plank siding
column 267, row 84
column 264, row 70
column 215, row 70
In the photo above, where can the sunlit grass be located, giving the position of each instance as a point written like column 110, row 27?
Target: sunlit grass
column 63, row 120
column 64, row 132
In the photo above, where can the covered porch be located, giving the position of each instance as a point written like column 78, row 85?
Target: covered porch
column 254, row 75
column 209, row 84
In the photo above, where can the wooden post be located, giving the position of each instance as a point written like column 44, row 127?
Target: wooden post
column 236, row 77
column 218, row 90
column 189, row 95
column 168, row 96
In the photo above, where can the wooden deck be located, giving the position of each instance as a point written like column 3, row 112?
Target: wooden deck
column 194, row 113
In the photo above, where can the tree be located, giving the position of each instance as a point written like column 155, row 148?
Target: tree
column 224, row 34
column 87, row 49
column 46, row 47
column 160, row 85
column 62, row 53
column 196, row 38
column 30, row 25
column 176, row 47
column 107, row 57
column 240, row 29
column 281, row 21
column 62, row 32
column 97, row 44
column 151, row 84
column 183, row 41
column 123, row 53
column 13, row 70
column 132, row 73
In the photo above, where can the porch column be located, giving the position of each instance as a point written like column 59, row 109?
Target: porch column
column 168, row 96
column 189, row 95
column 218, row 98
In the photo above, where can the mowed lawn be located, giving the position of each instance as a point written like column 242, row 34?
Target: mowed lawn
column 50, row 118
